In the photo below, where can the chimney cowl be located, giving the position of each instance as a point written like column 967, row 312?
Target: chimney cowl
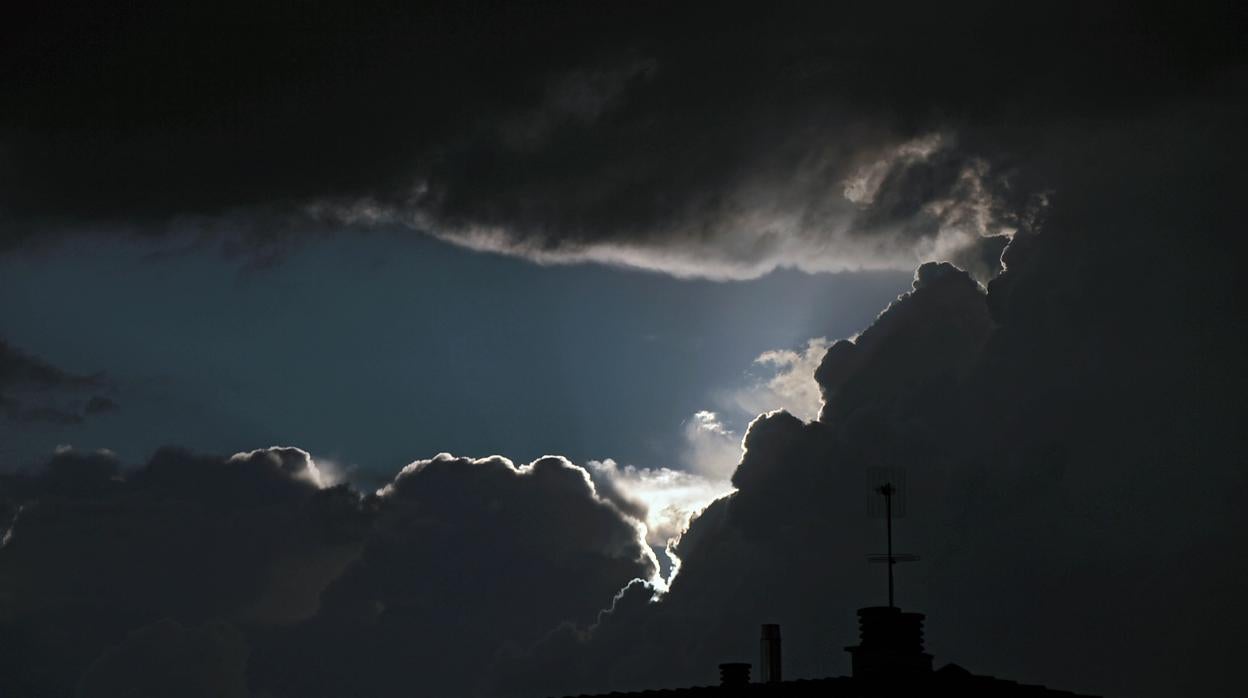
column 734, row 674
column 890, row 644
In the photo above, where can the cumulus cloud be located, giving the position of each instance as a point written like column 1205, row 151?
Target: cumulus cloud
column 293, row 461
column 1046, row 481
column 663, row 500
column 95, row 550
column 791, row 384
column 203, row 565
column 711, row 449
column 922, row 344
column 1063, row 426
column 468, row 560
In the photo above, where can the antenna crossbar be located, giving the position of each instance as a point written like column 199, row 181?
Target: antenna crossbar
column 898, row 557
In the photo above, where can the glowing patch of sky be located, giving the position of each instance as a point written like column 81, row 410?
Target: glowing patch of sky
column 377, row 351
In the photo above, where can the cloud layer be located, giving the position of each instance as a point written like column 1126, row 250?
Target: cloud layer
column 719, row 144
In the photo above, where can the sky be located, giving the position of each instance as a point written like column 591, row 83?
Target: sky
column 519, row 349
column 372, row 352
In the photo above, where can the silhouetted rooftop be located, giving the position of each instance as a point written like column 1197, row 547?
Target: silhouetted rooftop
column 948, row 680
column 889, row 660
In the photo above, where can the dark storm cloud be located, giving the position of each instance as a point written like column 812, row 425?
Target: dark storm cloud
column 166, row 658
column 921, row 345
column 699, row 141
column 1073, row 432
column 1072, row 445
column 177, row 575
column 93, row 551
column 468, row 560
column 1054, row 500
column 32, row 390
column 787, row 546
column 1071, row 438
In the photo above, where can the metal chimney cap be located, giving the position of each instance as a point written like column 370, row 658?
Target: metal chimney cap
column 734, row 674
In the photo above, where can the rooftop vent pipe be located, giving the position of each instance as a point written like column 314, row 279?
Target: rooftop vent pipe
column 769, row 654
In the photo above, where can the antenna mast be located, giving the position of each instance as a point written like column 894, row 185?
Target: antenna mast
column 888, row 490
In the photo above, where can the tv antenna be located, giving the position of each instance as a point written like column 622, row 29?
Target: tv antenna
column 890, row 484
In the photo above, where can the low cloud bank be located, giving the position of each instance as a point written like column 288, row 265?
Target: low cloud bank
column 206, row 565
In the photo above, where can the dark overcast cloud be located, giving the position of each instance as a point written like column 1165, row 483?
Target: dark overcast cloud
column 1061, row 501
column 92, row 552
column 1065, row 433
column 716, row 142
column 467, row 560
column 104, row 569
column 1073, row 431
column 32, row 390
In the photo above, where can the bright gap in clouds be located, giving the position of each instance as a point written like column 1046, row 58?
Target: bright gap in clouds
column 379, row 350
column 666, row 499
column 691, row 362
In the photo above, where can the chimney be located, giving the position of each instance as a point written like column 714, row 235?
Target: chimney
column 734, row 674
column 769, row 654
column 891, row 644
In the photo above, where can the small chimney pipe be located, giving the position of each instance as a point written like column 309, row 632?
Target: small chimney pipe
column 769, row 654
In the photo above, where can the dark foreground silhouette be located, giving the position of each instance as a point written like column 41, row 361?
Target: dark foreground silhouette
column 889, row 660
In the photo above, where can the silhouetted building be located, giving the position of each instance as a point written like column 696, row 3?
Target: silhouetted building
column 889, row 660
